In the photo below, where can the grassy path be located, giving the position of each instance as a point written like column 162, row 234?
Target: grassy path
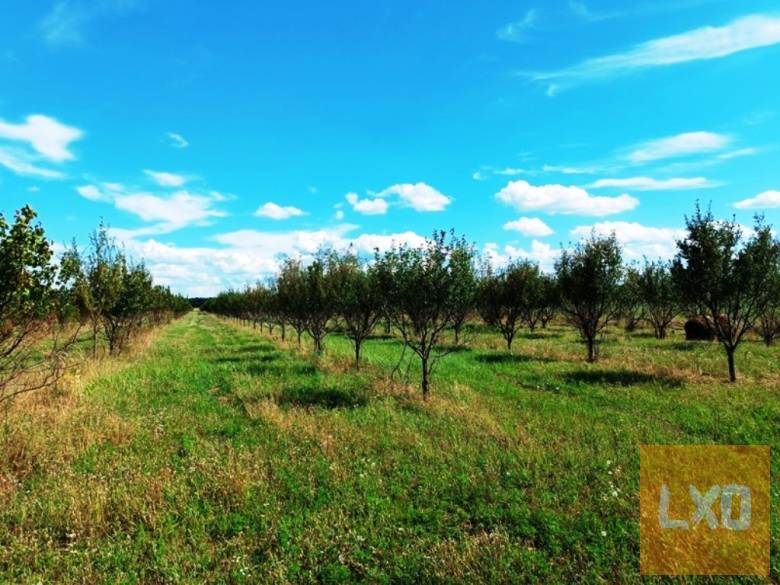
column 219, row 457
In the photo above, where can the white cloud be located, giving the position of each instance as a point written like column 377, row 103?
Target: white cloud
column 273, row 211
column 650, row 184
column 530, row 226
column 179, row 210
column 307, row 242
column 33, row 189
column 638, row 240
column 686, row 144
column 419, row 196
column 92, row 193
column 246, row 257
column 541, row 253
column 177, row 140
column 367, row 243
column 199, row 271
column 704, row 43
column 766, row 200
column 339, row 214
column 297, row 242
column 561, row 199
column 517, row 32
column 376, row 206
column 166, row 179
column 167, row 213
column 47, row 136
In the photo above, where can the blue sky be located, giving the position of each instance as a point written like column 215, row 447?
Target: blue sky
column 215, row 137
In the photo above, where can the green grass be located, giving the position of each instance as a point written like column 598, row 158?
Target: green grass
column 221, row 456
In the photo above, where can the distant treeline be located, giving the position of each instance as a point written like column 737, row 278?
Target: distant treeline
column 728, row 282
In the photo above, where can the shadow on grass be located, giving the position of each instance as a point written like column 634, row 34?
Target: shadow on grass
column 536, row 335
column 508, row 358
column 620, row 378
column 454, row 348
column 311, row 395
column 256, row 347
column 266, row 367
column 247, row 359
column 688, row 345
column 640, row 334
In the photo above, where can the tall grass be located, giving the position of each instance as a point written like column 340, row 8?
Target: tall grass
column 219, row 455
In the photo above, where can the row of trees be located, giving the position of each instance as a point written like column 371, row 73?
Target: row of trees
column 718, row 275
column 45, row 303
column 421, row 292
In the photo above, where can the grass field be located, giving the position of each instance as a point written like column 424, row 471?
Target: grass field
column 216, row 455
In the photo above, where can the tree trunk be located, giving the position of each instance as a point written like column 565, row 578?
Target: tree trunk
column 425, row 378
column 299, row 339
column 318, row 345
column 457, row 334
column 732, row 367
column 357, row 354
column 509, row 340
column 591, row 350
column 284, row 332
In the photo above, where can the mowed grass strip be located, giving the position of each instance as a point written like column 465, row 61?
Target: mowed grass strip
column 221, row 456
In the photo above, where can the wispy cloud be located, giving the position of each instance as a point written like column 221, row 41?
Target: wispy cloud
column 583, row 11
column 177, row 140
column 165, row 179
column 22, row 163
column 68, row 20
column 570, row 170
column 739, row 153
column 710, row 42
column 686, row 144
column 486, row 172
column 517, row 32
column 650, row 184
